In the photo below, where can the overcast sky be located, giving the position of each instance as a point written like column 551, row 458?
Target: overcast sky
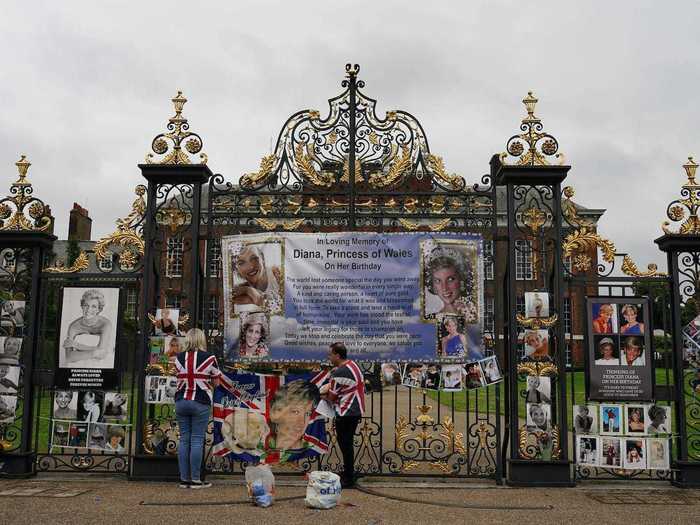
column 86, row 85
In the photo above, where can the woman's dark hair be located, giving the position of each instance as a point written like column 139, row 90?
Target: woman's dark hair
column 655, row 411
column 339, row 350
column 444, row 261
column 250, row 321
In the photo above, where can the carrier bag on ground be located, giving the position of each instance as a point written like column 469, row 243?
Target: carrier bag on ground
column 323, row 490
column 261, row 485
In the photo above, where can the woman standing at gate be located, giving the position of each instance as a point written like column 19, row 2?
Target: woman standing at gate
column 197, row 374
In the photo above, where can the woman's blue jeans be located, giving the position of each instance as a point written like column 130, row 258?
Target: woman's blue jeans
column 192, row 419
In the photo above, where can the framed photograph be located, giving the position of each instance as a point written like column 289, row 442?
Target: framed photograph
column 431, row 377
column 116, row 407
column 391, row 374
column 88, row 331
column 453, row 339
column 90, row 406
column 161, row 389
column 607, row 350
column 632, row 319
column 474, row 376
column 588, row 450
column 255, row 335
column 8, row 407
column 156, row 350
column 536, row 343
column 9, row 379
column 12, row 317
column 65, row 405
column 632, row 351
column 77, row 434
column 586, row 419
column 536, row 304
column 635, row 420
column 610, row 452
column 605, row 319
column 611, row 420
column 452, row 378
column 116, row 439
column 658, row 455
column 60, row 434
column 492, row 372
column 413, row 374
column 450, row 283
column 635, row 454
column 256, row 275
column 658, row 420
column 539, row 389
column 167, row 320
column 97, row 436
column 619, row 365
column 539, row 416
column 10, row 350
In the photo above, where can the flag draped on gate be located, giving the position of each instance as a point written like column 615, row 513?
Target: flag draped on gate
column 269, row 418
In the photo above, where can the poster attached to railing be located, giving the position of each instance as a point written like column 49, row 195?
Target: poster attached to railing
column 388, row 297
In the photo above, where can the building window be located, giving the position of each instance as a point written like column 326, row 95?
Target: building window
column 173, row 301
column 567, row 264
column 106, row 262
column 131, row 302
column 212, row 314
column 523, row 260
column 215, row 258
column 48, row 257
column 567, row 315
column 173, row 267
column 488, row 260
column 568, row 356
column 520, row 304
column 489, row 316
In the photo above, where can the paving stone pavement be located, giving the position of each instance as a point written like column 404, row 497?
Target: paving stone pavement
column 109, row 500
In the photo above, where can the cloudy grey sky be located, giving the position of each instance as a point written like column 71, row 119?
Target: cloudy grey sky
column 86, row 85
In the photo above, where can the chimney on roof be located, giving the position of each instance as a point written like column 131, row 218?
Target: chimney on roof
column 80, row 224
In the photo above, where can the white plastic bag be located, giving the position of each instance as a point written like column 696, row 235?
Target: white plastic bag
column 261, row 484
column 323, row 490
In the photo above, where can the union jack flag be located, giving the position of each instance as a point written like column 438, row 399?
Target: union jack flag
column 348, row 389
column 193, row 377
column 269, row 418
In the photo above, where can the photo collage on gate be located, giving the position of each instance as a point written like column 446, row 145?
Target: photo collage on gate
column 623, row 436
column 163, row 346
column 618, row 334
column 12, row 320
column 90, row 419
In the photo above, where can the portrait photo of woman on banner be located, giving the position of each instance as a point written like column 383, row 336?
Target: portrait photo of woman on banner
column 450, row 279
column 254, row 335
column 256, row 274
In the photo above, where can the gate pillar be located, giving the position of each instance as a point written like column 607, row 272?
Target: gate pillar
column 172, row 267
column 532, row 176
column 26, row 235
column 683, row 255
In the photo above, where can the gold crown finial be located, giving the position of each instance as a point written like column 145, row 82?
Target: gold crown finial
column 690, row 168
column 179, row 103
column 170, row 145
column 530, row 102
column 22, row 167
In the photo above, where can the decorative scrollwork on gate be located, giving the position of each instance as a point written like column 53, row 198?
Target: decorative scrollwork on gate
column 21, row 211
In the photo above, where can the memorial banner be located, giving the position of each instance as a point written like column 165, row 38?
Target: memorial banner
column 269, row 418
column 389, row 297
column 619, row 359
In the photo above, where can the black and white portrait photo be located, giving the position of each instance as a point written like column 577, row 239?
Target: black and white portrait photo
column 97, row 436
column 161, row 389
column 12, row 318
column 658, row 420
column 8, row 406
column 538, row 416
column 586, row 419
column 588, row 450
column 90, row 406
column 88, row 328
column 539, row 389
column 10, row 349
column 536, row 304
column 452, row 378
column 492, row 372
column 116, row 407
column 9, row 379
column 65, row 405
column 658, row 454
